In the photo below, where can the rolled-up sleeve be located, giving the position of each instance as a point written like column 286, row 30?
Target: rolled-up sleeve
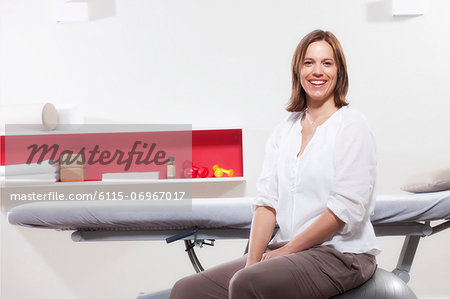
column 267, row 184
column 355, row 175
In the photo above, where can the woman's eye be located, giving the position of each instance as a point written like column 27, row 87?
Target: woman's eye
column 327, row 63
column 308, row 62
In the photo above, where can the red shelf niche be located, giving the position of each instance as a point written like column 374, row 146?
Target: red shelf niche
column 221, row 147
column 209, row 147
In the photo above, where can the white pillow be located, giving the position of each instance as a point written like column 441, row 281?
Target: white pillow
column 430, row 181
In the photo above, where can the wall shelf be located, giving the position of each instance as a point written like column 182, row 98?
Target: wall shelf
column 204, row 147
column 130, row 182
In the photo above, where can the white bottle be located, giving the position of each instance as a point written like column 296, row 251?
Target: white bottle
column 171, row 173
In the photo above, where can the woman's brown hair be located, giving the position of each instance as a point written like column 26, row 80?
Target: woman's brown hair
column 297, row 101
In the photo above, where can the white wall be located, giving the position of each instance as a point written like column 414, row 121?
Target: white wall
column 212, row 62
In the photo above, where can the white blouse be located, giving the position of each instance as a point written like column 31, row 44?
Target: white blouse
column 337, row 170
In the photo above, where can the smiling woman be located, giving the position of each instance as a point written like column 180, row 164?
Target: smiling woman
column 328, row 60
column 317, row 185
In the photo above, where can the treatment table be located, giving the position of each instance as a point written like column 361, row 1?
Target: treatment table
column 405, row 214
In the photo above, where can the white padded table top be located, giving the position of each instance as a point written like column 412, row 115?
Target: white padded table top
column 408, row 207
column 206, row 213
column 126, row 214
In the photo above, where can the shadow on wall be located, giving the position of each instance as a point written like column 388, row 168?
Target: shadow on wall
column 99, row 9
column 381, row 11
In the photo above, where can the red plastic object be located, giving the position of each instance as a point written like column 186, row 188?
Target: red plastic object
column 201, row 172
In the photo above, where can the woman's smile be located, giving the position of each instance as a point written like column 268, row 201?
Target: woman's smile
column 317, row 83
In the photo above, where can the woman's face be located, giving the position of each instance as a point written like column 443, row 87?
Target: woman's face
column 318, row 73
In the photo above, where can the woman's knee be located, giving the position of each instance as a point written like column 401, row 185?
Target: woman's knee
column 241, row 283
column 179, row 288
column 248, row 283
column 186, row 287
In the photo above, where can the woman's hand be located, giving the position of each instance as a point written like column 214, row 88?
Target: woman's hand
column 277, row 252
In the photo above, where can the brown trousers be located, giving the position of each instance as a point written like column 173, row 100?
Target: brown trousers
column 319, row 272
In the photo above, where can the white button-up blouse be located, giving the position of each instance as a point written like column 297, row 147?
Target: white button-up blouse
column 337, row 170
